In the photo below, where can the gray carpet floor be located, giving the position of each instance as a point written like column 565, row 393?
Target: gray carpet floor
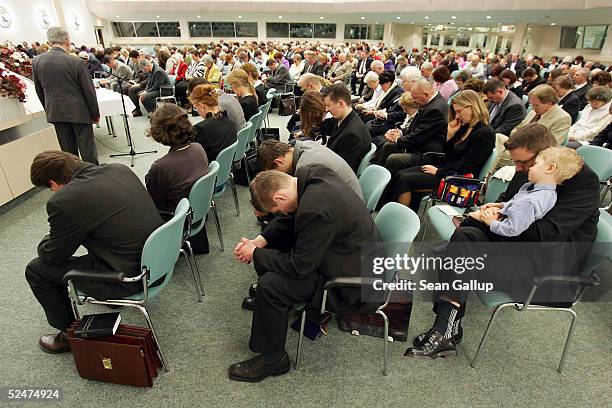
column 517, row 367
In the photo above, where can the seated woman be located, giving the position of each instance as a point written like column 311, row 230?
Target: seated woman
column 368, row 103
column 260, row 89
column 469, row 143
column 171, row 177
column 216, row 131
column 443, row 82
column 238, row 80
column 593, row 118
column 313, row 125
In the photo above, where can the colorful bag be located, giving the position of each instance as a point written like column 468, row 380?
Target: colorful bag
column 459, row 191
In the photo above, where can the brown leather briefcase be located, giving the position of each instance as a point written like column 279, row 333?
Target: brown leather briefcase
column 129, row 357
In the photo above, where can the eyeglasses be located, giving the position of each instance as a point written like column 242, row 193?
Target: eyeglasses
column 524, row 163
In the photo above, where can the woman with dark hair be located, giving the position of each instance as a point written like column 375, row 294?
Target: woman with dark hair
column 469, row 143
column 171, row 177
column 443, row 82
column 313, row 125
column 216, row 131
column 601, row 78
column 512, row 83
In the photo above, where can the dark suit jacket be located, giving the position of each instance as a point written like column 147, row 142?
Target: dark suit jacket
column 581, row 94
column 368, row 62
column 571, row 104
column 215, row 134
column 351, row 140
column 528, row 87
column 511, row 113
column 390, row 98
column 317, row 69
column 330, row 235
column 280, row 77
column 157, row 78
column 470, row 155
column 107, row 210
column 604, row 137
column 63, row 85
column 427, row 131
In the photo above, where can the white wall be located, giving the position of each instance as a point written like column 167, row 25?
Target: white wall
column 25, row 26
column 545, row 42
column 84, row 34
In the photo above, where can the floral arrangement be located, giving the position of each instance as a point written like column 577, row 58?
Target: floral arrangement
column 11, row 86
column 16, row 61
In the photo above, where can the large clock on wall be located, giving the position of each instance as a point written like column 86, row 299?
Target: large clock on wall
column 42, row 19
column 5, row 17
column 75, row 21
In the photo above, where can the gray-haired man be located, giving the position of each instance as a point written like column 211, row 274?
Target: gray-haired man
column 63, row 85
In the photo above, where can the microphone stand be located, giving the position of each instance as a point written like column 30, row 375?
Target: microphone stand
column 132, row 153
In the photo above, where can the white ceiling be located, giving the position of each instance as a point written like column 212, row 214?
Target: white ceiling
column 575, row 12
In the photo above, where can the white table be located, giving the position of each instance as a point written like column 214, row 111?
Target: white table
column 109, row 103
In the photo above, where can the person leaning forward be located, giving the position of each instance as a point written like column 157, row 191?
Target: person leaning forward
column 330, row 237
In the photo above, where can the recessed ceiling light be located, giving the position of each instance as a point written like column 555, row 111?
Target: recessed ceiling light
column 239, row 16
column 280, row 16
column 116, row 16
column 362, row 17
column 398, row 17
column 426, row 17
column 199, row 16
column 488, row 17
column 553, row 24
column 412, row 22
column 157, row 16
column 321, row 18
column 454, row 17
column 452, row 23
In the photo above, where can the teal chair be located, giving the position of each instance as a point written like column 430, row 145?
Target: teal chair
column 224, row 176
column 244, row 138
column 397, row 225
column 602, row 251
column 487, row 168
column 599, row 159
column 525, row 99
column 159, row 254
column 269, row 96
column 365, row 162
column 256, row 120
column 200, row 199
column 373, row 182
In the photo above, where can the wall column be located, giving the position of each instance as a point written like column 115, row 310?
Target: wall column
column 519, row 38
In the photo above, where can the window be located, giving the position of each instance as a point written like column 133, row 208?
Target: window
column 223, row 29
column 449, row 39
column 585, row 37
column 199, row 29
column 463, row 40
column 377, row 32
column 246, row 30
column 169, row 29
column 325, row 31
column 123, row 29
column 277, row 29
column 144, row 29
column 435, row 39
column 364, row 31
column 300, row 30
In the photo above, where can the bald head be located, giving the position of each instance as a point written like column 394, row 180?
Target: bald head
column 422, row 91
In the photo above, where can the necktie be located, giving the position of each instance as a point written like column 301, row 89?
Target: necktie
column 535, row 118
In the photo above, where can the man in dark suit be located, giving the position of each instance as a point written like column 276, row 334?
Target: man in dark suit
column 157, row 77
column 313, row 66
column 582, row 85
column 387, row 111
column 330, row 237
column 398, row 150
column 517, row 65
column 279, row 78
column 104, row 208
column 506, row 110
column 65, row 89
column 567, row 98
column 363, row 66
column 350, row 139
column 573, row 220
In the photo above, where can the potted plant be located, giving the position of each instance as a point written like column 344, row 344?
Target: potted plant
column 12, row 94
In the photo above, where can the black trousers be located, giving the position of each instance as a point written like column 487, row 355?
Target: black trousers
column 276, row 296
column 133, row 92
column 52, row 294
column 77, row 138
column 394, row 158
column 180, row 92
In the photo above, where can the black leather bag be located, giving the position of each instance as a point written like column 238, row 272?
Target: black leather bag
column 240, row 176
column 287, row 105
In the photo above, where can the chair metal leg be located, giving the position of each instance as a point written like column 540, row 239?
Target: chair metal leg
column 197, row 268
column 246, row 169
column 386, row 341
column 235, row 194
column 195, row 280
column 213, row 206
column 299, row 347
column 570, row 334
column 145, row 313
column 486, row 333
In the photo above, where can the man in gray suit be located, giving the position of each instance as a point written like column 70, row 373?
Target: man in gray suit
column 64, row 87
column 506, row 110
column 104, row 208
column 157, row 78
column 119, row 70
column 279, row 78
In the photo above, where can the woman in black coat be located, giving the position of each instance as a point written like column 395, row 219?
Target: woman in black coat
column 238, row 79
column 469, row 143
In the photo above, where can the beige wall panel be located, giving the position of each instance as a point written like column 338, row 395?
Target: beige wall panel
column 16, row 158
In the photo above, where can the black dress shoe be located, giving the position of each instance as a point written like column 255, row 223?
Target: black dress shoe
column 253, row 290
column 136, row 113
column 248, row 303
column 54, row 343
column 436, row 346
column 422, row 338
column 256, row 369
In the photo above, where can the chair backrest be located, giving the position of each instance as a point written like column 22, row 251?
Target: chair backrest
column 201, row 195
column 602, row 247
column 373, row 182
column 599, row 159
column 495, row 187
column 487, row 167
column 225, row 159
column 243, row 141
column 256, row 121
column 172, row 79
column 525, row 99
column 270, row 92
column 365, row 162
column 162, row 248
